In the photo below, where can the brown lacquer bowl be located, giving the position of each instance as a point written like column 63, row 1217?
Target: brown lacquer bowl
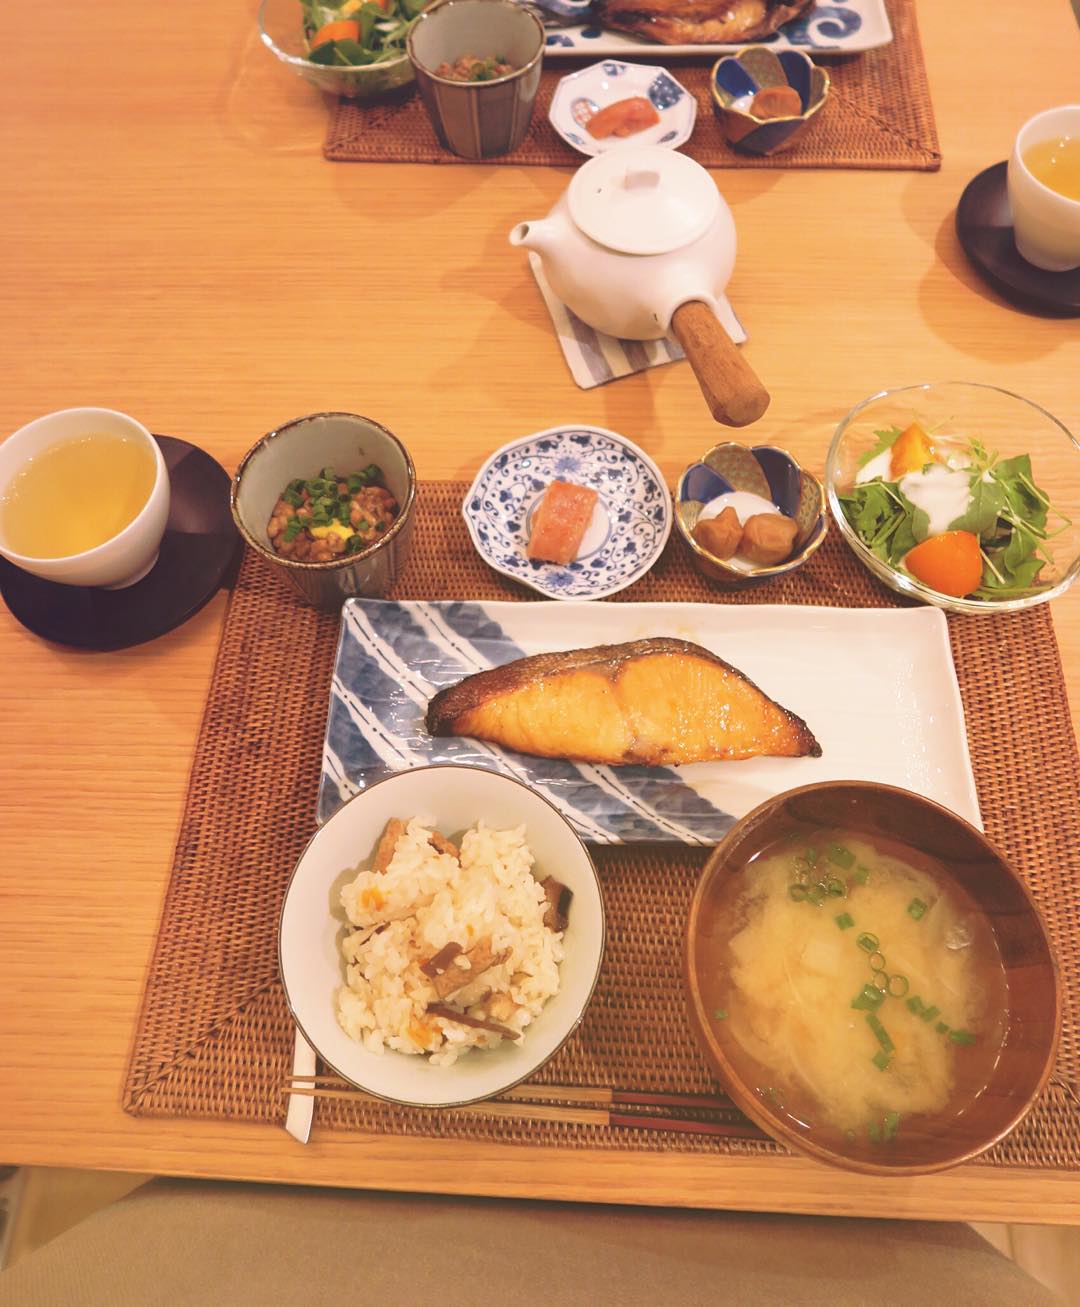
column 1030, row 1017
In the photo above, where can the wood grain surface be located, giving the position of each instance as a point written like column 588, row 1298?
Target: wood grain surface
column 177, row 248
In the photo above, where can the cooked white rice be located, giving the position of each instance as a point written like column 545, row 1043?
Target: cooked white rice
column 428, row 901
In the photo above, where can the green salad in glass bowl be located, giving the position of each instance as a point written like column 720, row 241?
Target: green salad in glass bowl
column 959, row 494
column 354, row 48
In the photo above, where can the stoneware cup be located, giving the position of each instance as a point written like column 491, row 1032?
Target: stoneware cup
column 1046, row 224
column 302, row 448
column 132, row 552
column 478, row 119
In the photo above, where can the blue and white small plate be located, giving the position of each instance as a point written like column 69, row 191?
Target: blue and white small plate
column 629, row 527
column 579, row 95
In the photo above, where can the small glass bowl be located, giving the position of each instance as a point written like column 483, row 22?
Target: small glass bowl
column 281, row 28
column 1000, row 420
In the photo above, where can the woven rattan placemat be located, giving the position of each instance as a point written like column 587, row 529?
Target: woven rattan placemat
column 879, row 115
column 214, row 1038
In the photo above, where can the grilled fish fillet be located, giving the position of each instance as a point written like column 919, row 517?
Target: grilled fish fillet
column 698, row 22
column 654, row 702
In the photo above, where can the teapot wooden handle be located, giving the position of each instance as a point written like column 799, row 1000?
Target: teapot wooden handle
column 731, row 388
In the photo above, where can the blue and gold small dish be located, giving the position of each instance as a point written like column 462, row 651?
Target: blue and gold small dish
column 752, row 480
column 738, row 78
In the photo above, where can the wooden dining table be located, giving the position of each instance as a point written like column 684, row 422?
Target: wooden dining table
column 179, row 249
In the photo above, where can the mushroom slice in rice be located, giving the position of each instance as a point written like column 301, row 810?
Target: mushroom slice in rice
column 384, row 851
column 442, row 845
column 480, row 958
column 558, row 896
column 474, row 1023
column 437, row 964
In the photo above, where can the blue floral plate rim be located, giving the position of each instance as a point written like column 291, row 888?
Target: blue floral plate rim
column 541, row 577
column 676, row 106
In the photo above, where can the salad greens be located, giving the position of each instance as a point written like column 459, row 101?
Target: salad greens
column 352, row 33
column 1006, row 511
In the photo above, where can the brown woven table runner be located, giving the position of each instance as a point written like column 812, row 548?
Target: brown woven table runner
column 214, row 1038
column 879, row 115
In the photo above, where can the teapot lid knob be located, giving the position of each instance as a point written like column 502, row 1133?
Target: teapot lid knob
column 641, row 177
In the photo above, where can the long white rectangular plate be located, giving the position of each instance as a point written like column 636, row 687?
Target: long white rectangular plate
column 846, row 28
column 876, row 686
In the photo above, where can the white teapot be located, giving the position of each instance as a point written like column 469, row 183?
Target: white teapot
column 642, row 243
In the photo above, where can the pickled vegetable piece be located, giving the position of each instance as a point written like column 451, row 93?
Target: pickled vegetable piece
column 623, row 118
column 560, row 522
column 720, row 535
column 768, row 538
column 776, row 102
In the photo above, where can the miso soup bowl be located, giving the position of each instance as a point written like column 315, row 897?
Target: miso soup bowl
column 302, row 448
column 975, row 865
column 127, row 556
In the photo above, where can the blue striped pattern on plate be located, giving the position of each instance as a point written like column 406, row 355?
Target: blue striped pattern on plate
column 392, row 657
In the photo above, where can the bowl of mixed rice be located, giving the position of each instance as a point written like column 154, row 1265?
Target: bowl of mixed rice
column 441, row 936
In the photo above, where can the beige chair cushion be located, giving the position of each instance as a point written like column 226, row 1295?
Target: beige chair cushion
column 181, row 1242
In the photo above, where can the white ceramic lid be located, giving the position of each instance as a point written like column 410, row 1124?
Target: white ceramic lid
column 643, row 201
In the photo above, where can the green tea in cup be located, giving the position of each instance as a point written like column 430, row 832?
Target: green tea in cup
column 1056, row 163
column 76, row 494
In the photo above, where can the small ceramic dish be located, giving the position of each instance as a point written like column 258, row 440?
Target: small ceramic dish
column 629, row 527
column 478, row 119
column 281, row 29
column 454, row 799
column 757, row 474
column 302, row 448
column 579, row 96
column 737, row 78
column 1006, row 426
column 1027, row 1024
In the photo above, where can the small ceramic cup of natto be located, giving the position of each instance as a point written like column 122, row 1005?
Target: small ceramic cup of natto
column 365, row 460
column 478, row 68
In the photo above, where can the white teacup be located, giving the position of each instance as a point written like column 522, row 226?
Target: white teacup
column 132, row 552
column 1046, row 224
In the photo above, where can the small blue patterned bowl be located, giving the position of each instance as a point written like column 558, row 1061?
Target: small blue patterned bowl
column 579, row 95
column 765, row 471
column 737, row 78
column 629, row 528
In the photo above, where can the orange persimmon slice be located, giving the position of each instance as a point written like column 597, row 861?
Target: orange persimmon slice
column 949, row 563
column 911, row 452
column 344, row 29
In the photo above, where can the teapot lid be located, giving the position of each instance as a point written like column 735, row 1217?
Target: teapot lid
column 647, row 200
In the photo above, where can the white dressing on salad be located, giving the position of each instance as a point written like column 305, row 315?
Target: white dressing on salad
column 943, row 494
column 879, row 466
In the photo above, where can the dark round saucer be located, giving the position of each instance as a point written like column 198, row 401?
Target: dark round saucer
column 199, row 544
column 984, row 226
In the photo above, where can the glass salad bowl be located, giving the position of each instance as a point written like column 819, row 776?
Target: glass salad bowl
column 959, row 494
column 281, row 27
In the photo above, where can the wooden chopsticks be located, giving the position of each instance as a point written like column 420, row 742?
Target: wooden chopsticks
column 576, row 1105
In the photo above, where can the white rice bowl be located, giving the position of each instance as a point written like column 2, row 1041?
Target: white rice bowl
column 355, row 1002
column 425, row 900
